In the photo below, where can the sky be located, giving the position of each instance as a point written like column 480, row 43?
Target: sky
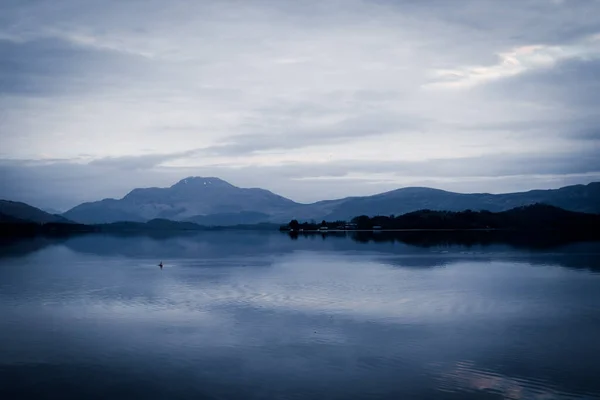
column 312, row 99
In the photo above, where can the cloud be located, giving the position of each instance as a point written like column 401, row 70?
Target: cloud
column 142, row 162
column 50, row 66
column 517, row 61
column 307, row 135
column 294, row 94
column 570, row 86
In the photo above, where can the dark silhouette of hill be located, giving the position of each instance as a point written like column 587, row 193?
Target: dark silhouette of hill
column 7, row 219
column 21, row 212
column 533, row 217
column 10, row 227
column 23, row 229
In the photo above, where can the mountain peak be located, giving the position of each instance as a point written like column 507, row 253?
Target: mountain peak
column 201, row 181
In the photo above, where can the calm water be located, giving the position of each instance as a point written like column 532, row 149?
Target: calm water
column 262, row 316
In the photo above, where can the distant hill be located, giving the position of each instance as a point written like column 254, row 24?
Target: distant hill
column 103, row 212
column 538, row 217
column 13, row 227
column 7, row 219
column 212, row 201
column 21, row 212
column 188, row 199
column 581, row 198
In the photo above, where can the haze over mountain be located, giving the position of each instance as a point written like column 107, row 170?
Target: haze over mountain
column 212, row 201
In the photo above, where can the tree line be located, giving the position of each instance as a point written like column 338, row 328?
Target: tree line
column 536, row 216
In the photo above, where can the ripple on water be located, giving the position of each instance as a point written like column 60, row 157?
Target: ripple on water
column 465, row 376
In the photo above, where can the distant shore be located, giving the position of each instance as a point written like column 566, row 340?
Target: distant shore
column 532, row 217
column 535, row 218
column 396, row 230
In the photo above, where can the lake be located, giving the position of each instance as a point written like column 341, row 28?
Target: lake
column 261, row 315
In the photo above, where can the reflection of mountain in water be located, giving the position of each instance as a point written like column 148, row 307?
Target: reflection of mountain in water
column 24, row 246
column 578, row 250
column 537, row 240
column 402, row 249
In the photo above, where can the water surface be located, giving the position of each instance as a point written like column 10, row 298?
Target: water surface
column 242, row 315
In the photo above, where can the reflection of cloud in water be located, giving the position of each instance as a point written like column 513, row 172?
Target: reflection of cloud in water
column 365, row 285
column 465, row 376
column 358, row 287
column 359, row 318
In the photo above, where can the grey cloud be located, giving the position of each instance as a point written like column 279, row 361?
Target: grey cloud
column 512, row 21
column 54, row 66
column 570, row 92
column 589, row 133
column 142, row 162
column 361, row 63
column 365, row 125
column 576, row 128
column 485, row 166
column 572, row 82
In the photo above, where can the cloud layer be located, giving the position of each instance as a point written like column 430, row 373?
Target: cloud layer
column 310, row 99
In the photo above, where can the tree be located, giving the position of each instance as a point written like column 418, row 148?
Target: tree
column 323, row 223
column 294, row 224
column 362, row 222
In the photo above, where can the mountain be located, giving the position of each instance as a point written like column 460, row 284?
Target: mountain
column 50, row 210
column 532, row 217
column 7, row 219
column 581, row 198
column 543, row 216
column 13, row 211
column 188, row 199
column 103, row 212
column 212, row 201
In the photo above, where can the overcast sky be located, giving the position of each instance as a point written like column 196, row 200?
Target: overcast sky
column 309, row 99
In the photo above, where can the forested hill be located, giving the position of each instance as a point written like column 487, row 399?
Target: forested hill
column 534, row 217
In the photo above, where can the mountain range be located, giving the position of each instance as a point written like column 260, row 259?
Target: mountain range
column 214, row 202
